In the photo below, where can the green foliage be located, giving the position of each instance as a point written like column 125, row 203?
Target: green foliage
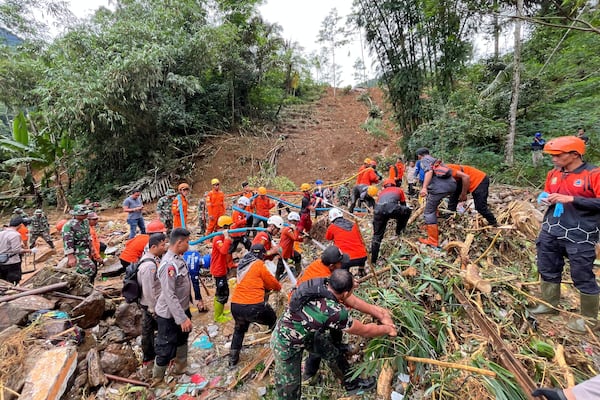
column 138, row 89
column 374, row 126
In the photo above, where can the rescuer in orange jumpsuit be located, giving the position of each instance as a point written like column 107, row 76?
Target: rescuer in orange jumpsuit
column 215, row 205
column 180, row 206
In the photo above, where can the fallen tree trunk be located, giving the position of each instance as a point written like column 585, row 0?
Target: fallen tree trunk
column 43, row 289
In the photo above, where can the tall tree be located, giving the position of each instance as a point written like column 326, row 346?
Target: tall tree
column 333, row 34
column 509, row 152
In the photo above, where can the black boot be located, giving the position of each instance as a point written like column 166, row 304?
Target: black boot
column 234, row 357
column 550, row 393
column 359, row 384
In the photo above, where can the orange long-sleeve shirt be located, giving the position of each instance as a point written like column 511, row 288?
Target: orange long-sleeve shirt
column 475, row 175
column 239, row 221
column 175, row 211
column 398, row 166
column 95, row 243
column 263, row 205
column 316, row 269
column 348, row 241
column 289, row 236
column 215, row 203
column 134, row 248
column 218, row 256
column 251, row 289
column 367, row 177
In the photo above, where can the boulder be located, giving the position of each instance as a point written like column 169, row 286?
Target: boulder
column 44, row 254
column 34, row 303
column 129, row 318
column 113, row 269
column 95, row 374
column 118, row 360
column 47, row 380
column 12, row 315
column 88, row 313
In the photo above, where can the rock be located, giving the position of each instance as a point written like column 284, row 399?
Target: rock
column 95, row 374
column 114, row 269
column 129, row 318
column 89, row 310
column 12, row 315
column 48, row 379
column 44, row 255
column 34, row 303
column 114, row 335
column 118, row 360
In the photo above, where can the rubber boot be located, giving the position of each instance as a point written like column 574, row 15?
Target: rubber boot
column 219, row 316
column 180, row 363
column 432, row 236
column 551, row 295
column 550, row 393
column 234, row 357
column 589, row 310
column 158, row 375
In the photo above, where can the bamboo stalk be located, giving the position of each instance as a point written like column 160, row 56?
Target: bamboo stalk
column 445, row 364
column 560, row 360
column 126, row 380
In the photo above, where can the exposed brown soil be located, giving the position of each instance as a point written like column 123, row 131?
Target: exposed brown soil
column 322, row 140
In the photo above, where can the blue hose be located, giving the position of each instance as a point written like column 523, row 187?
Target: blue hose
column 212, row 235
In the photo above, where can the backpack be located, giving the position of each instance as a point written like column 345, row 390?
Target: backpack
column 132, row 291
column 441, row 170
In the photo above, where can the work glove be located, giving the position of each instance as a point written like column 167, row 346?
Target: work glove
column 543, row 196
column 558, row 209
column 550, row 393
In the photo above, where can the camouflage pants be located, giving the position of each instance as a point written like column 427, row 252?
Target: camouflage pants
column 33, row 236
column 85, row 266
column 168, row 222
column 288, row 363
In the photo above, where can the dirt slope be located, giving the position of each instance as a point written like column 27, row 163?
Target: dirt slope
column 322, row 140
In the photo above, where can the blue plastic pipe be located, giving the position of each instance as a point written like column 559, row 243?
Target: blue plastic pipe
column 212, row 235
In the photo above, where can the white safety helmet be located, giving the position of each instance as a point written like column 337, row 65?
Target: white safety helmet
column 293, row 216
column 334, row 214
column 275, row 220
column 244, row 201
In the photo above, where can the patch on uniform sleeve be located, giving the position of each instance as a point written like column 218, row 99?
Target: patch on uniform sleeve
column 171, row 271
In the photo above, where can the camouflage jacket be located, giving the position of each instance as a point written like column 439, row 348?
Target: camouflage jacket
column 39, row 224
column 163, row 208
column 76, row 237
column 343, row 192
column 297, row 330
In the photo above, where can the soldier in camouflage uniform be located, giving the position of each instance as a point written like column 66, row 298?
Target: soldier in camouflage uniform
column 39, row 227
column 316, row 306
column 343, row 195
column 163, row 209
column 78, row 242
column 18, row 212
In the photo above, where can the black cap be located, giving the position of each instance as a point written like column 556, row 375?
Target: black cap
column 258, row 250
column 332, row 255
column 15, row 221
column 244, row 184
column 422, row 151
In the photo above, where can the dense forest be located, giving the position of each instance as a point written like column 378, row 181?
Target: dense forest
column 134, row 91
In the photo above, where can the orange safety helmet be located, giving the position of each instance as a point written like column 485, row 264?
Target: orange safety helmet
column 183, row 186
column 565, row 144
column 305, row 187
column 156, row 227
column 389, row 182
column 60, row 224
column 224, row 220
column 367, row 160
column 262, row 190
